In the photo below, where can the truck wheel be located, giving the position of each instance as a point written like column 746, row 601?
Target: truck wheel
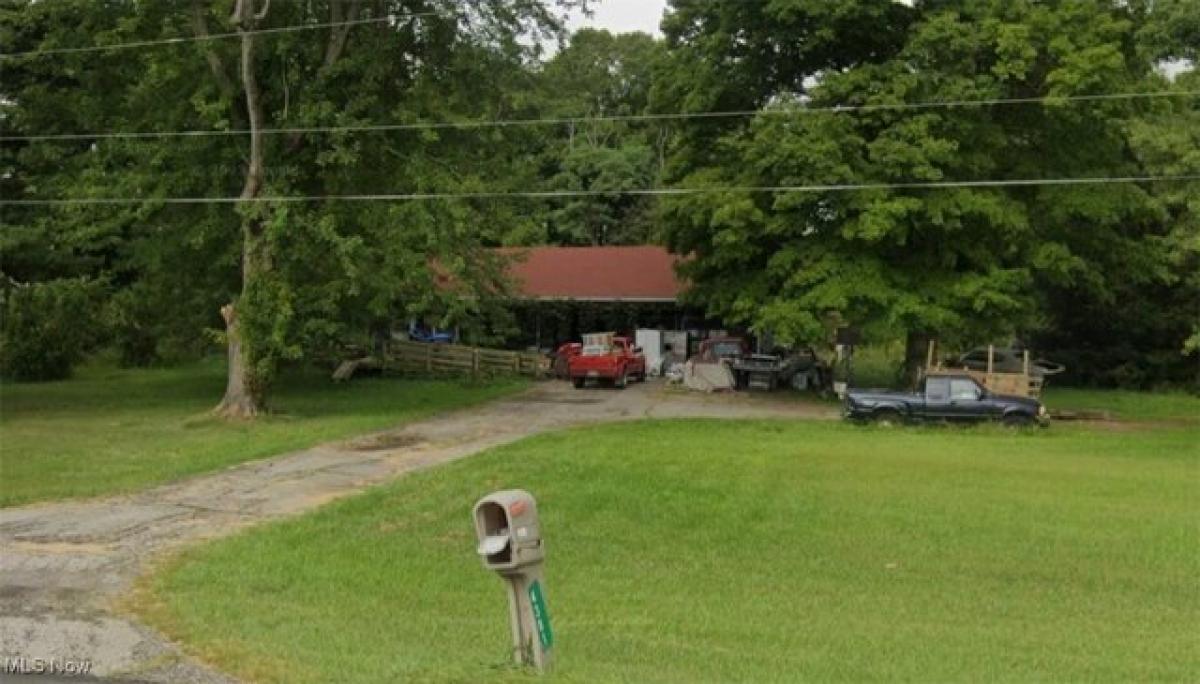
column 578, row 382
column 886, row 417
column 1018, row 420
column 620, row 381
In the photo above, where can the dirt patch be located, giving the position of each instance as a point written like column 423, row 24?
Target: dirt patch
column 385, row 442
column 59, row 548
column 1081, row 415
column 560, row 400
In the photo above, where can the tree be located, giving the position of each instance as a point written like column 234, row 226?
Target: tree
column 600, row 75
column 1141, row 332
column 428, row 54
column 146, row 255
column 249, row 368
column 294, row 277
column 969, row 264
column 728, row 55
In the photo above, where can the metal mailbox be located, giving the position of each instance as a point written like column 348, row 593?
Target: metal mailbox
column 509, row 534
column 508, row 529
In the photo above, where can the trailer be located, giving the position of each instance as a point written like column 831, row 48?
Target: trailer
column 1022, row 383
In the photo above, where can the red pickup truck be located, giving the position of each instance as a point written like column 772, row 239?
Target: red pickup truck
column 614, row 360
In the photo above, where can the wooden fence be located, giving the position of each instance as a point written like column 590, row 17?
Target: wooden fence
column 456, row 359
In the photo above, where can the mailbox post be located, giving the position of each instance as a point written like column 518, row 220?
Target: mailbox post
column 510, row 543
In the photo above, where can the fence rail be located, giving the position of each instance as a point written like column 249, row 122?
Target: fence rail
column 456, row 359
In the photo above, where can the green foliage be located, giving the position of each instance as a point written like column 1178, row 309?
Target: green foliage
column 47, row 327
column 600, row 75
column 1143, row 328
column 878, row 365
column 324, row 269
column 1068, row 267
column 967, row 264
column 607, row 219
column 169, row 267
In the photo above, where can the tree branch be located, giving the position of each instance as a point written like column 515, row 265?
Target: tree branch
column 246, row 21
column 338, row 34
column 215, row 64
column 333, row 52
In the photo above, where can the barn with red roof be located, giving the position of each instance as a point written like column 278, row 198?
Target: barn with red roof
column 561, row 293
column 642, row 273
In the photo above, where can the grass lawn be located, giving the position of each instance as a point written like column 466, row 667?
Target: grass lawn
column 688, row 551
column 111, row 430
column 1175, row 407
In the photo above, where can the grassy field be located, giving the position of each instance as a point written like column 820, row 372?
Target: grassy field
column 1167, row 407
column 111, row 430
column 692, row 551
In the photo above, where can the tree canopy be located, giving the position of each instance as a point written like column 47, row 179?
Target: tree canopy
column 849, row 94
column 969, row 264
column 304, row 274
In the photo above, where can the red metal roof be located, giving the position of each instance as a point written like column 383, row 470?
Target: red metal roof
column 640, row 273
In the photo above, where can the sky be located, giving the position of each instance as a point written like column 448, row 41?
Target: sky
column 622, row 16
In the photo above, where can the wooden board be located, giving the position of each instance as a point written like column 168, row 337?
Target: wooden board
column 1022, row 384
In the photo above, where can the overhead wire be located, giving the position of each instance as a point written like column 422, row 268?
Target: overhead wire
column 637, row 192
column 496, row 123
column 215, row 36
column 646, row 117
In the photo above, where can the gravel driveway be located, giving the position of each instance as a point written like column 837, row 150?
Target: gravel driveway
column 65, row 564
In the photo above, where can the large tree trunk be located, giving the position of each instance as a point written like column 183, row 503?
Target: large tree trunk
column 916, row 350
column 240, row 400
column 246, row 385
column 245, row 388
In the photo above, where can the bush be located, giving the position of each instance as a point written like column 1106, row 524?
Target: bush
column 155, row 322
column 135, row 322
column 48, row 327
column 879, row 365
column 1124, row 366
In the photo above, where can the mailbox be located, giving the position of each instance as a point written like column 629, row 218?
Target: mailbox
column 510, row 543
column 510, row 535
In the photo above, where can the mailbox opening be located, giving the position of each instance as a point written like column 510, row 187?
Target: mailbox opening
column 495, row 525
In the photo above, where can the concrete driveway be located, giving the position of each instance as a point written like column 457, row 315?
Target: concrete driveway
column 65, row 565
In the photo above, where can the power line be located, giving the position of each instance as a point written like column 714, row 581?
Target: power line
column 213, row 36
column 642, row 192
column 556, row 121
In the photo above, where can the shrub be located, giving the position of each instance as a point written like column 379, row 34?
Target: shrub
column 47, row 327
column 1127, row 367
column 157, row 322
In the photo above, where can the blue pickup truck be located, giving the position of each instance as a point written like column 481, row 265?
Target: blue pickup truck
column 944, row 398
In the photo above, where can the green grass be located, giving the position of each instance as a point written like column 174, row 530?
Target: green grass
column 1128, row 405
column 689, row 551
column 113, row 430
